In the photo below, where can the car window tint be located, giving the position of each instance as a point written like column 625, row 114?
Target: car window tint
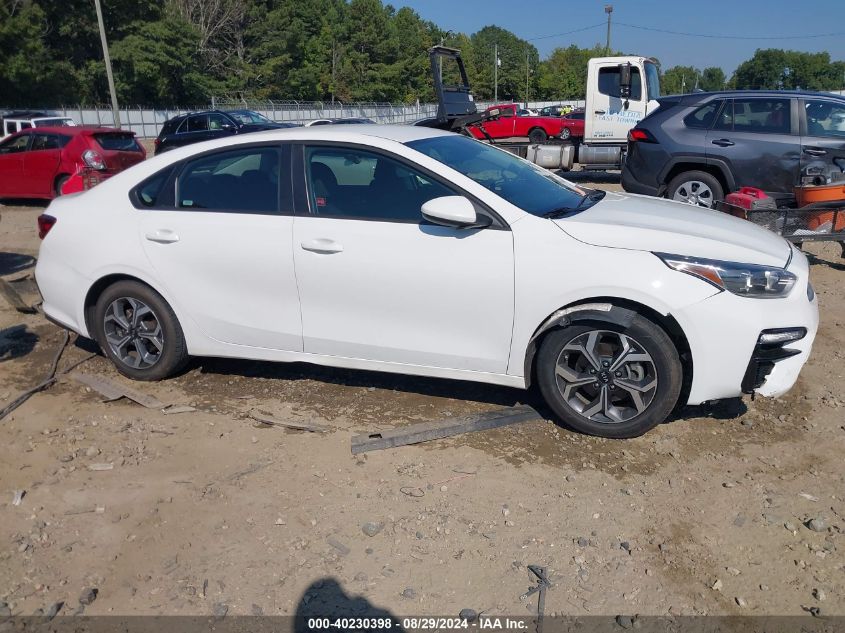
column 44, row 141
column 26, row 126
column 198, row 123
column 15, row 145
column 239, row 181
column 149, row 193
column 11, row 128
column 825, row 118
column 356, row 183
column 609, row 83
column 704, row 116
column 121, row 141
column 761, row 115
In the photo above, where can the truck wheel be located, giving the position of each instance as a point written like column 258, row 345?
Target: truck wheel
column 537, row 136
column 696, row 187
column 565, row 133
column 610, row 380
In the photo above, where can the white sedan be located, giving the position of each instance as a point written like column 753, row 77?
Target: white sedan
column 409, row 250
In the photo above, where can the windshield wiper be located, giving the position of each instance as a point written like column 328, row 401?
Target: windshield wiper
column 592, row 197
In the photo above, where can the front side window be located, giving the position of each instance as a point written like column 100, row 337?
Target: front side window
column 825, row 118
column 523, row 184
column 15, row 145
column 237, row 181
column 11, row 128
column 761, row 115
column 609, row 83
column 704, row 116
column 355, row 183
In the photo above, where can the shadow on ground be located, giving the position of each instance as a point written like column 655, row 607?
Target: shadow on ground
column 11, row 263
column 325, row 598
column 16, row 341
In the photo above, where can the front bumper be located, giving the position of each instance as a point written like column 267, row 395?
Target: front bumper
column 723, row 333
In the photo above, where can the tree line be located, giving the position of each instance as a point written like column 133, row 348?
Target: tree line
column 181, row 52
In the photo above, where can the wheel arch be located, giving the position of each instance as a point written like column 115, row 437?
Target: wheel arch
column 99, row 286
column 717, row 169
column 612, row 310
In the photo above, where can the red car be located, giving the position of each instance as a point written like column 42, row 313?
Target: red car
column 37, row 162
column 510, row 125
column 573, row 125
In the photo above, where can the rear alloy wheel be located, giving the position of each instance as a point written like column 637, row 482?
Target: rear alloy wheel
column 565, row 133
column 537, row 136
column 696, row 187
column 608, row 380
column 138, row 331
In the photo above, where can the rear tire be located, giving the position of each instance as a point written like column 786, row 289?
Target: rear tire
column 537, row 136
column 585, row 378
column 565, row 133
column 696, row 187
column 139, row 332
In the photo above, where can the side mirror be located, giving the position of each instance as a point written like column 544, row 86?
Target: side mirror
column 454, row 211
column 625, row 79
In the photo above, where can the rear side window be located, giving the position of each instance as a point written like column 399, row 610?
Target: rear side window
column 151, row 193
column 609, row 83
column 236, row 181
column 704, row 116
column 116, row 141
column 45, row 141
column 26, row 126
column 761, row 115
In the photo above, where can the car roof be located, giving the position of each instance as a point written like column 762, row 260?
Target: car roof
column 696, row 97
column 70, row 130
column 24, row 114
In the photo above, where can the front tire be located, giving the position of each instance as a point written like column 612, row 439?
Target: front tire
column 139, row 332
column 537, row 136
column 696, row 187
column 610, row 380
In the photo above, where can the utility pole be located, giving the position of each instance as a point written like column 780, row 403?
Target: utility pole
column 496, row 73
column 608, row 8
column 527, row 52
column 115, row 109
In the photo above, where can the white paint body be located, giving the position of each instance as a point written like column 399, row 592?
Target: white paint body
column 417, row 299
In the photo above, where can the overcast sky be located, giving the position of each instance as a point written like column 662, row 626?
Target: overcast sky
column 779, row 20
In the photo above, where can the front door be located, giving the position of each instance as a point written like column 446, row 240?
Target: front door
column 377, row 282
column 11, row 165
column 823, row 138
column 757, row 137
column 41, row 163
column 223, row 246
column 611, row 115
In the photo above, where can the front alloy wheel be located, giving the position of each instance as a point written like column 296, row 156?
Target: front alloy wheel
column 608, row 379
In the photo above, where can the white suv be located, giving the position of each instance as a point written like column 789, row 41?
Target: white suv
column 13, row 122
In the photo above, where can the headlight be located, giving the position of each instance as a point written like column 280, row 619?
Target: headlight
column 744, row 280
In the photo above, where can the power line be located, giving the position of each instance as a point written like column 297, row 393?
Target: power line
column 733, row 37
column 586, row 28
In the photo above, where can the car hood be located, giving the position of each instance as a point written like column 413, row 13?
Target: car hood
column 652, row 224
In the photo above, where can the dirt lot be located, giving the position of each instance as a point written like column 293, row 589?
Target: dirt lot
column 202, row 512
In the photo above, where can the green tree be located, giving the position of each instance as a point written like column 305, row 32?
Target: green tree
column 511, row 72
column 777, row 69
column 564, row 74
column 712, row 78
column 679, row 79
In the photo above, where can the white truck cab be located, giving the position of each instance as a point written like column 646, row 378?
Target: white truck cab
column 13, row 122
column 620, row 92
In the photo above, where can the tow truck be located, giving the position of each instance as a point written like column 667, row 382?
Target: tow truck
column 620, row 92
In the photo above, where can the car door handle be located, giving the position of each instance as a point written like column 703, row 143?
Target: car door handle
column 722, row 142
column 600, row 112
column 813, row 151
column 162, row 236
column 322, row 245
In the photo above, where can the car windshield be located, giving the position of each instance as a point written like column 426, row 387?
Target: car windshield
column 652, row 77
column 246, row 117
column 523, row 184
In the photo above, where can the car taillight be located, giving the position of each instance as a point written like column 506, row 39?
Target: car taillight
column 45, row 223
column 637, row 135
column 157, row 142
column 93, row 159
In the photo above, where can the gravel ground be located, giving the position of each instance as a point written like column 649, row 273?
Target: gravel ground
column 736, row 508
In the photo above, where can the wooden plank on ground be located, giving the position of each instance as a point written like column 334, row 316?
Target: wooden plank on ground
column 111, row 390
column 427, row 431
column 291, row 424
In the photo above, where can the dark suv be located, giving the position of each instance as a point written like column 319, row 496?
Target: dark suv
column 194, row 127
column 698, row 147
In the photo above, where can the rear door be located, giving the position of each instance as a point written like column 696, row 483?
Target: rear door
column 823, row 137
column 219, row 240
column 757, row 139
column 41, row 164
column 11, row 165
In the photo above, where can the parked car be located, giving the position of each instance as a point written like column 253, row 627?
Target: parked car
column 194, row 127
column 696, row 148
column 555, row 110
column 15, row 121
column 509, row 124
column 573, row 126
column 37, row 162
column 341, row 121
column 384, row 247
